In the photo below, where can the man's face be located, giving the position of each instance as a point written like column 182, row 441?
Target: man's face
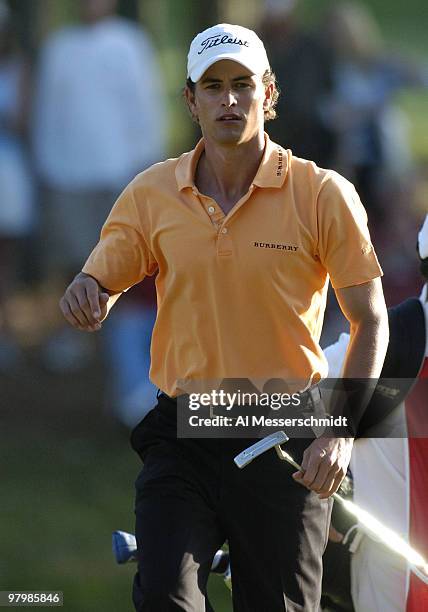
column 229, row 102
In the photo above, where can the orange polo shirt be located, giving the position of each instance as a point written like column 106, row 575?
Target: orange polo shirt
column 240, row 295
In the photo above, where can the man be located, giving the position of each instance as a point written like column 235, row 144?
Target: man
column 393, row 459
column 243, row 236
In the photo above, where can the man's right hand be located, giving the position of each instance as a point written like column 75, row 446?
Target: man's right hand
column 84, row 303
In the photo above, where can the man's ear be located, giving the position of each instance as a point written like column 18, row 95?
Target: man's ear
column 268, row 97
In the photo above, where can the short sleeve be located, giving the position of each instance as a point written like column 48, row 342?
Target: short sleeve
column 122, row 257
column 344, row 245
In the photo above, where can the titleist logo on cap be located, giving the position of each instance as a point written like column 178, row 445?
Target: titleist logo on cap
column 225, row 41
column 214, row 41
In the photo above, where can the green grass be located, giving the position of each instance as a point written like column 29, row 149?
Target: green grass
column 62, row 495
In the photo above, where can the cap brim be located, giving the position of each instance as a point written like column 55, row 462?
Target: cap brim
column 196, row 74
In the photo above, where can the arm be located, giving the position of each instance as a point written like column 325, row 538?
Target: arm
column 326, row 460
column 85, row 304
column 364, row 307
column 120, row 260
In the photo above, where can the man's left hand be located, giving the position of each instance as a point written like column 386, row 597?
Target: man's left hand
column 324, row 465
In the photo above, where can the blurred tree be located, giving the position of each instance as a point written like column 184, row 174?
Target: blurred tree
column 129, row 9
column 24, row 17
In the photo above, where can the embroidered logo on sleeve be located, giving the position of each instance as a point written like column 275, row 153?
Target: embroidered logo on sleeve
column 280, row 165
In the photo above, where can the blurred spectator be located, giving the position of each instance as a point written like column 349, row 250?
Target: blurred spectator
column 99, row 120
column 16, row 187
column 371, row 132
column 302, row 66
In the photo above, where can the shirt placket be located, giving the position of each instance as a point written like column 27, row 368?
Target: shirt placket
column 221, row 222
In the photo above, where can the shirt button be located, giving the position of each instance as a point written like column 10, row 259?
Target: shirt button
column 211, row 210
column 224, row 230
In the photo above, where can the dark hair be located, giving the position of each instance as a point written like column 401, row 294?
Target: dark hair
column 267, row 79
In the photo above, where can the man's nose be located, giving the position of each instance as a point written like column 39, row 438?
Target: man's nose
column 229, row 98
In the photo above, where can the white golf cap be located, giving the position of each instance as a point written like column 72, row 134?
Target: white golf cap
column 225, row 41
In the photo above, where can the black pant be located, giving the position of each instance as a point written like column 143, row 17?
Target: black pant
column 191, row 497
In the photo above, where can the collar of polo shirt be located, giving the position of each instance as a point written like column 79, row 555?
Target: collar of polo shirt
column 271, row 172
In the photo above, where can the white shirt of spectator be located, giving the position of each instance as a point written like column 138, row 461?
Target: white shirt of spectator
column 423, row 240
column 99, row 112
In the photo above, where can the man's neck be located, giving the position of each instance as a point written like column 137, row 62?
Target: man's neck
column 226, row 172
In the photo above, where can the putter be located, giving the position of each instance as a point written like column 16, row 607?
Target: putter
column 367, row 522
column 263, row 445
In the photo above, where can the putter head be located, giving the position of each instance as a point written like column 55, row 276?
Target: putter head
column 124, row 547
column 253, row 451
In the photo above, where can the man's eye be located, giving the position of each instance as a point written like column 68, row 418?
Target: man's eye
column 242, row 85
column 213, row 86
